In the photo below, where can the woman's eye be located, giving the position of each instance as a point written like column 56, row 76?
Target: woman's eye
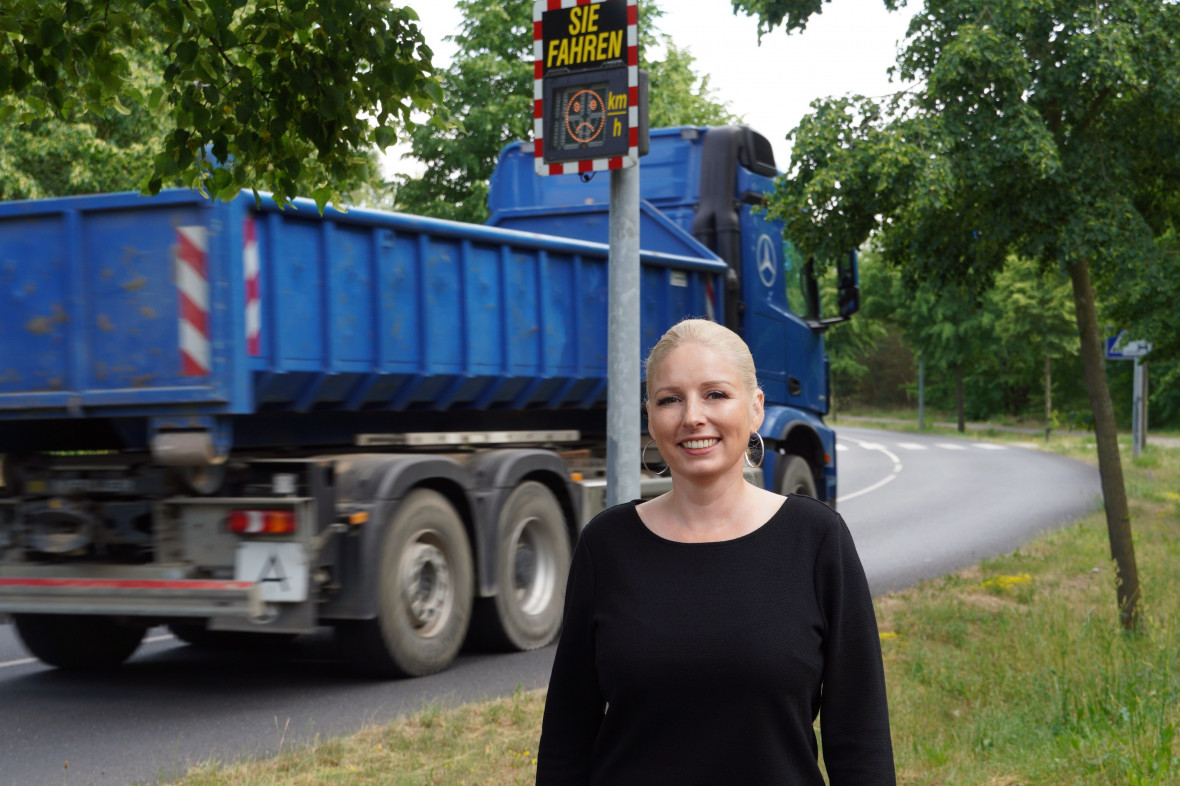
column 716, row 394
column 665, row 400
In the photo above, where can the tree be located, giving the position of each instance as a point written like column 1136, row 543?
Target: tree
column 100, row 150
column 295, row 93
column 489, row 89
column 1046, row 130
column 1034, row 322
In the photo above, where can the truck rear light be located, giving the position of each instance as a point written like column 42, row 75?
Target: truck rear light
column 261, row 522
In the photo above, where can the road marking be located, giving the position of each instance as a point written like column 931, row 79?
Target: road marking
column 841, row 448
column 874, row 487
column 911, row 446
column 949, row 446
column 887, row 479
column 26, row 661
column 990, row 446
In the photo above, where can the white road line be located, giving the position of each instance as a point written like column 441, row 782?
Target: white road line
column 911, row 446
column 841, row 448
column 888, row 478
column 949, row 446
column 990, row 446
column 874, row 487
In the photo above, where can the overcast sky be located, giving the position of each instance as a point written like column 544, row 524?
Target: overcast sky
column 846, row 49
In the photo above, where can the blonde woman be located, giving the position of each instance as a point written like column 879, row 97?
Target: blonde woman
column 707, row 628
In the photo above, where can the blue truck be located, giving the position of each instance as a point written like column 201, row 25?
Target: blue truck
column 248, row 422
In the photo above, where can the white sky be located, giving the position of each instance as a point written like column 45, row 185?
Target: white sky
column 846, row 49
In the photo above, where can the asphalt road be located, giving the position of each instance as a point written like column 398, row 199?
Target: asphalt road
column 922, row 506
column 917, row 506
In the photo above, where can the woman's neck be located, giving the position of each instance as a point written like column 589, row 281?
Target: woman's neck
column 719, row 510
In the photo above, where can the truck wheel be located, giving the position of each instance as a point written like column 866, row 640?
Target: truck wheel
column 424, row 592
column 78, row 642
column 532, row 562
column 795, row 476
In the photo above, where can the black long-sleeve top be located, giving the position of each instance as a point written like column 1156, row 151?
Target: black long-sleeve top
column 707, row 663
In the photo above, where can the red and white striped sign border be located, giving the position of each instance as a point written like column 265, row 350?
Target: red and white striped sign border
column 253, row 288
column 595, row 164
column 192, row 284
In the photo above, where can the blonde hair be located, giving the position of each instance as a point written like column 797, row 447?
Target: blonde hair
column 710, row 334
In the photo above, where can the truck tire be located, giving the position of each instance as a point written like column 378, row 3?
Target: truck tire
column 532, row 562
column 424, row 593
column 78, row 642
column 794, row 476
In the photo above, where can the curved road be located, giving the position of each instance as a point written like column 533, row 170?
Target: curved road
column 921, row 506
column 918, row 506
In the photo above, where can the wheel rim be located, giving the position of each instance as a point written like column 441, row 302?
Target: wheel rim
column 428, row 593
column 534, row 567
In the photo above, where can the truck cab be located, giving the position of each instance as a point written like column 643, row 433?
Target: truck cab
column 702, row 191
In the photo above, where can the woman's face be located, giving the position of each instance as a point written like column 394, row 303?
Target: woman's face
column 700, row 414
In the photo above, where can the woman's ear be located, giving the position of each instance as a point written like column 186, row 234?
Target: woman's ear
column 759, row 409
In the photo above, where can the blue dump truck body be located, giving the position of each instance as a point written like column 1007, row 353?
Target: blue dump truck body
column 127, row 316
column 242, row 420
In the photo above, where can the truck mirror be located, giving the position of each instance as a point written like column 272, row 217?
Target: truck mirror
column 811, row 285
column 848, row 284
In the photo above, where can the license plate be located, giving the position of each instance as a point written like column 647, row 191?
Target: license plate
column 279, row 569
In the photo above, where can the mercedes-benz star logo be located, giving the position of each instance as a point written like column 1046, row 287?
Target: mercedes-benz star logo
column 767, row 262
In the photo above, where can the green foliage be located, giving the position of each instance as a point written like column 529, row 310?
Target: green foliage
column 489, row 89
column 1037, row 129
column 294, row 93
column 792, row 14
column 1000, row 339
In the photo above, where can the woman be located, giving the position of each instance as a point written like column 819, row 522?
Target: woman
column 705, row 629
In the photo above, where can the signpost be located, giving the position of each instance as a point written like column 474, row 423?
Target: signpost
column 586, row 116
column 1120, row 348
column 585, row 85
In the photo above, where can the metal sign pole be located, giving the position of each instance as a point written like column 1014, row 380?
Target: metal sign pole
column 1138, row 410
column 623, row 401
column 921, row 393
column 589, row 116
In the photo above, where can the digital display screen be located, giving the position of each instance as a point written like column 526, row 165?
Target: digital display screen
column 579, row 116
column 586, row 115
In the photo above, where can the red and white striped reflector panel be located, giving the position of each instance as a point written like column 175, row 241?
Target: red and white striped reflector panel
column 253, row 288
column 192, row 284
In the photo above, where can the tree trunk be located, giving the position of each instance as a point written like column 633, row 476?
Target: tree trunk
column 1110, row 468
column 1048, row 396
column 959, row 396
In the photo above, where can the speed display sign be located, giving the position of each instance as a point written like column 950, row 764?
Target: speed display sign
column 586, row 85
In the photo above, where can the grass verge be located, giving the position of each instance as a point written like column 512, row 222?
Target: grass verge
column 493, row 742
column 1012, row 672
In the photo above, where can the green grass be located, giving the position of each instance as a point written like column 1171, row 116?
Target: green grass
column 493, row 742
column 1014, row 671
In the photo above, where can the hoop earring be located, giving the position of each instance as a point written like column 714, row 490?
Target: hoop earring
column 761, row 451
column 643, row 459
